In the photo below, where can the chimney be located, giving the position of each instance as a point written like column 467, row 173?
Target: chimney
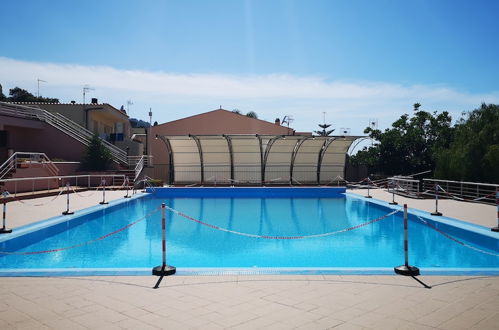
column 94, row 100
column 277, row 121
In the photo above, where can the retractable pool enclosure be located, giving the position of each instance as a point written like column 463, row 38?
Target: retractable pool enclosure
column 256, row 159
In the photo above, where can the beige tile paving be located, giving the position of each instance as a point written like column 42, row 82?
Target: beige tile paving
column 380, row 302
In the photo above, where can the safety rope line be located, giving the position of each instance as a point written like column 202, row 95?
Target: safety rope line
column 87, row 242
column 455, row 239
column 279, row 237
column 466, row 199
column 85, row 196
column 17, row 199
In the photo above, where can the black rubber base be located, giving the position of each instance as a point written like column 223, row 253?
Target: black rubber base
column 5, row 230
column 436, row 213
column 393, row 203
column 368, row 196
column 407, row 270
column 67, row 213
column 160, row 271
column 102, row 203
column 127, row 196
column 496, row 229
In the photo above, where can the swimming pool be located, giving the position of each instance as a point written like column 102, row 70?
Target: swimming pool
column 259, row 235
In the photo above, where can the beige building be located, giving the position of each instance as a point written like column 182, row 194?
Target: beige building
column 103, row 119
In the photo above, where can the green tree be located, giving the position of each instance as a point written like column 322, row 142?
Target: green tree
column 324, row 132
column 21, row 95
column 252, row 114
column 411, row 144
column 474, row 153
column 97, row 157
column 2, row 96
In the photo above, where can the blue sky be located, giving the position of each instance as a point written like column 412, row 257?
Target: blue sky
column 354, row 60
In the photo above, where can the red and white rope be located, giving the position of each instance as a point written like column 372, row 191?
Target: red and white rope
column 455, row 239
column 279, row 237
column 17, row 199
column 87, row 242
column 465, row 199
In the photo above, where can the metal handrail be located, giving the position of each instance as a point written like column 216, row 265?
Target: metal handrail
column 62, row 123
column 471, row 191
column 143, row 161
column 402, row 185
column 34, row 157
column 66, row 177
column 62, row 179
column 464, row 182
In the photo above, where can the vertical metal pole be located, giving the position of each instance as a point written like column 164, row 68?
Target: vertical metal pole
column 67, row 201
column 127, row 183
column 406, row 269
column 163, row 232
column 406, row 244
column 368, row 186
column 164, row 269
column 496, row 229
column 4, row 230
column 393, row 194
column 436, row 202
column 103, row 192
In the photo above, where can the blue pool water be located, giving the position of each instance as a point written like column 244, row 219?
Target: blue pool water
column 192, row 245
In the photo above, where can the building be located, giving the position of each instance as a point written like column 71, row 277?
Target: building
column 222, row 147
column 109, row 123
column 57, row 130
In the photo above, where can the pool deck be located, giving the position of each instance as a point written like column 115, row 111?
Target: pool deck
column 249, row 302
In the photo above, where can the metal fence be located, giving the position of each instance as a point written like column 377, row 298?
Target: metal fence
column 466, row 191
column 47, row 183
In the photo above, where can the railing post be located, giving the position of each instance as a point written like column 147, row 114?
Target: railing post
column 67, row 212
column 496, row 229
column 405, row 269
column 436, row 202
column 4, row 230
column 164, row 269
column 103, row 182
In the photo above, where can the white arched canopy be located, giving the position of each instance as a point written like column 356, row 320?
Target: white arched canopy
column 254, row 159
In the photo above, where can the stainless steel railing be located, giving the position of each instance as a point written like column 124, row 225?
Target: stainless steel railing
column 28, row 158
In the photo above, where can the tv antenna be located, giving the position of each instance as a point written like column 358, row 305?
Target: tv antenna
column 86, row 89
column 288, row 119
column 38, row 91
column 128, row 104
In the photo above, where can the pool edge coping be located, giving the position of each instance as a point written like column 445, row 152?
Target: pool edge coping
column 213, row 271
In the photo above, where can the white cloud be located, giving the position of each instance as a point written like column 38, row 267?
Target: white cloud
column 174, row 95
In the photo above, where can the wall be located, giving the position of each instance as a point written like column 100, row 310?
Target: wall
column 41, row 137
column 67, row 168
column 29, row 185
